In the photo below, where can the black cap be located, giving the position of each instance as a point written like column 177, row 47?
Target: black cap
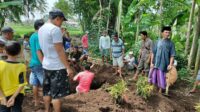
column 57, row 13
column 7, row 29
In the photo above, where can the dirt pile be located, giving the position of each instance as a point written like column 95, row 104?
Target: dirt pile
column 98, row 100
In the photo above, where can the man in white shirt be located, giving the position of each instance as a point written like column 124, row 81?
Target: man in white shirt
column 56, row 67
column 104, row 46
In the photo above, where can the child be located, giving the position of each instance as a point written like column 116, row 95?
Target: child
column 85, row 79
column 12, row 79
column 129, row 61
column 26, row 51
column 197, row 82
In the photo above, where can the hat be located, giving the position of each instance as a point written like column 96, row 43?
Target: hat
column 7, row 29
column 131, row 52
column 57, row 12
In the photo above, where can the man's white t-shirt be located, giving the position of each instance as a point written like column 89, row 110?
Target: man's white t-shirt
column 104, row 42
column 48, row 35
column 130, row 60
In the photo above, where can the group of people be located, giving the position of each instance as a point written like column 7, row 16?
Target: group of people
column 53, row 55
column 49, row 47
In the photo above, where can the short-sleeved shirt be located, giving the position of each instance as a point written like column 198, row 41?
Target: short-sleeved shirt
column 104, row 42
column 85, row 79
column 146, row 48
column 163, row 50
column 12, row 76
column 49, row 35
column 85, row 41
column 117, row 48
column 66, row 42
column 34, row 46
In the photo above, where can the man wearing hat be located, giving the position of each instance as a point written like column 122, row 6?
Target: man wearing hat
column 55, row 64
column 129, row 61
column 7, row 35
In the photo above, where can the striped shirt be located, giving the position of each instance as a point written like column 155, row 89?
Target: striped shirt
column 117, row 48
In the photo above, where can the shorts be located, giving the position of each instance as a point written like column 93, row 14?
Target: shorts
column 56, row 83
column 17, row 107
column 198, row 76
column 105, row 52
column 118, row 62
column 36, row 76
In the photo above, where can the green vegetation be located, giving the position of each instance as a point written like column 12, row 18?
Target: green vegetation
column 118, row 90
column 21, row 29
column 144, row 89
column 197, row 107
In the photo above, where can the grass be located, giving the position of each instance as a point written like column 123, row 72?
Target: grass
column 21, row 29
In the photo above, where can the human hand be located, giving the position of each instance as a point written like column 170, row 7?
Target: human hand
column 11, row 102
column 3, row 101
column 152, row 65
column 69, row 72
column 169, row 67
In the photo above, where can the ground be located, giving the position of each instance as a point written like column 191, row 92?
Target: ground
column 98, row 100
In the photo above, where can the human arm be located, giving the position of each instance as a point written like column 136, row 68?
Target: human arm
column 172, row 54
column 57, row 41
column 22, row 83
column 3, row 98
column 76, row 77
column 39, row 51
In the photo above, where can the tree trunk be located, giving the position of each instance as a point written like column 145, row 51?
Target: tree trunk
column 138, row 26
column 161, row 17
column 118, row 23
column 100, row 17
column 187, row 44
column 2, row 23
column 108, row 19
column 193, row 51
column 197, row 64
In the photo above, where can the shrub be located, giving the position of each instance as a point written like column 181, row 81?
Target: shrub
column 144, row 89
column 184, row 75
column 182, row 61
column 118, row 90
column 197, row 107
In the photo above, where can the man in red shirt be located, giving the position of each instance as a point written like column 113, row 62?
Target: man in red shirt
column 84, row 41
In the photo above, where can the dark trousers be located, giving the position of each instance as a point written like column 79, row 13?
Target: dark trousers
column 17, row 107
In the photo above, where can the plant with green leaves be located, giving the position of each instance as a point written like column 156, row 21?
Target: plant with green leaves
column 144, row 89
column 118, row 90
column 197, row 107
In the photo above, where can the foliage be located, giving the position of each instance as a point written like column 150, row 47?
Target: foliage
column 135, row 48
column 65, row 6
column 118, row 89
column 197, row 107
column 182, row 61
column 144, row 89
column 184, row 75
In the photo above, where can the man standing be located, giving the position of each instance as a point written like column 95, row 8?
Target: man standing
column 36, row 77
column 104, row 46
column 162, row 59
column 7, row 35
column 84, row 41
column 145, row 55
column 55, row 64
column 117, row 48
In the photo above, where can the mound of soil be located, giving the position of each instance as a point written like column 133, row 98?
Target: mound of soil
column 98, row 100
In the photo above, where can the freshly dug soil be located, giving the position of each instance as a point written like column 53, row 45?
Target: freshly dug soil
column 98, row 100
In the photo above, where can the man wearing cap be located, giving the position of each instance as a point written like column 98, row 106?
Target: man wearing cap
column 7, row 35
column 145, row 55
column 55, row 64
column 36, row 77
column 117, row 49
column 129, row 61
